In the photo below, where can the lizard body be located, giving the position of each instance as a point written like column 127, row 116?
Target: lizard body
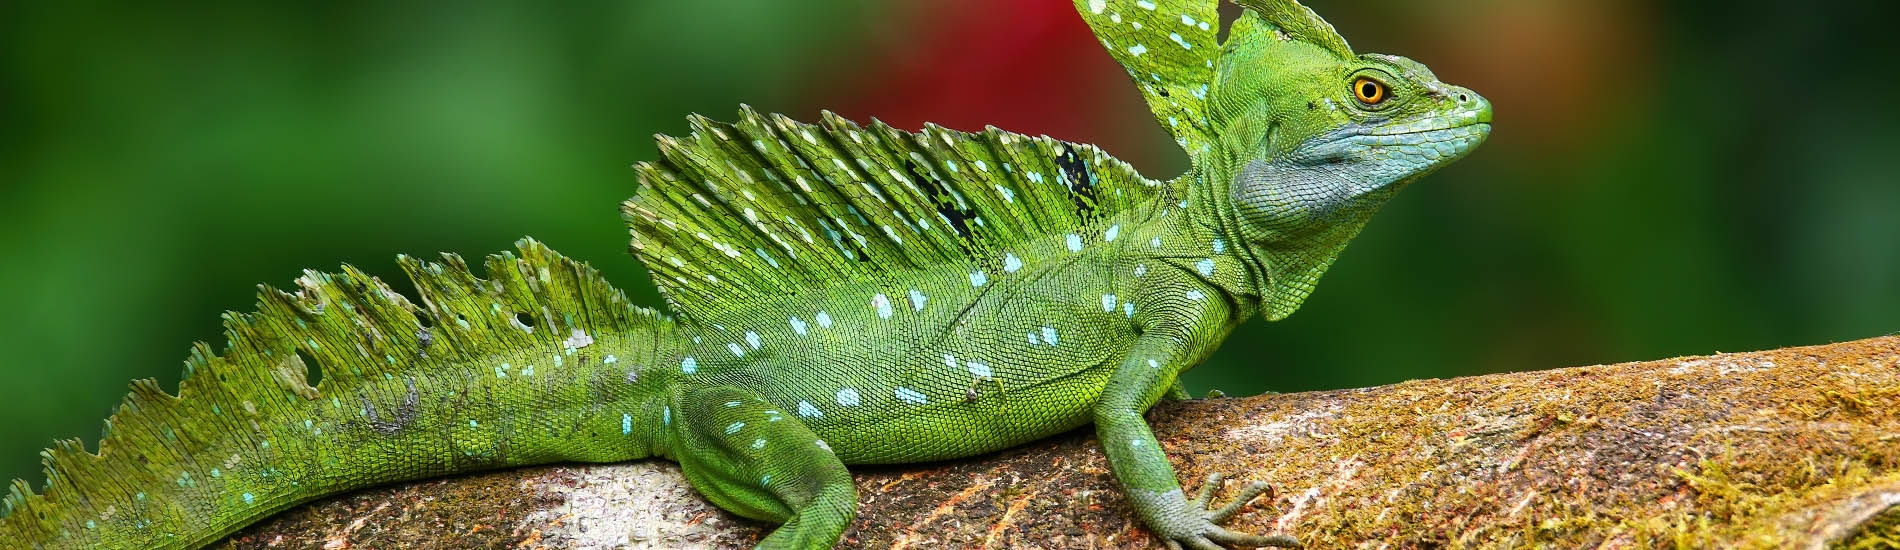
column 839, row 294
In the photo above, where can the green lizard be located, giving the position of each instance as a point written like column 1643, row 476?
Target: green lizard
column 839, row 294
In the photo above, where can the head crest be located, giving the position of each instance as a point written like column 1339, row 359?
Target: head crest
column 1299, row 22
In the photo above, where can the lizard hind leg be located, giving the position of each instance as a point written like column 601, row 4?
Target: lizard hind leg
column 748, row 457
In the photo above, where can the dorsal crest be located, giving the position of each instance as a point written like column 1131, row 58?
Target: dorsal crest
column 768, row 206
column 1170, row 48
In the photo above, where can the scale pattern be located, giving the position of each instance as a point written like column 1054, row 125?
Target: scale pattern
column 736, row 213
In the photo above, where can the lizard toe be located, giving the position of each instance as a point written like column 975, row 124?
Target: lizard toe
column 1252, row 491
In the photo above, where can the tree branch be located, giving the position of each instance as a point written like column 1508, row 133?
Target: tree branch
column 1789, row 448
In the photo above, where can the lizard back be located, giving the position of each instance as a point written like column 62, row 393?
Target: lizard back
column 877, row 281
column 768, row 206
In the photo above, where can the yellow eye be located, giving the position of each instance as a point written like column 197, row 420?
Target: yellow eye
column 1369, row 91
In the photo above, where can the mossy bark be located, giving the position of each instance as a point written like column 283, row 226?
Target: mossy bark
column 1788, row 448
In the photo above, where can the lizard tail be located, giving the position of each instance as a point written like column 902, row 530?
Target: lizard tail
column 343, row 384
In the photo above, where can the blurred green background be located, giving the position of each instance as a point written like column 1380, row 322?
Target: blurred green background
column 1664, row 178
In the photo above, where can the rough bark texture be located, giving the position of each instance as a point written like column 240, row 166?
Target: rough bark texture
column 1788, row 448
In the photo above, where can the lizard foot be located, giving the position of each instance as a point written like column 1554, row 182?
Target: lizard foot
column 1202, row 530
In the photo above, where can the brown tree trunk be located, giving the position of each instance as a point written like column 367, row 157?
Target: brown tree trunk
column 1791, row 448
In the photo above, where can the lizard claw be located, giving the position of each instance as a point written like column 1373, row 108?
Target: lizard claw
column 1233, row 506
column 1208, row 535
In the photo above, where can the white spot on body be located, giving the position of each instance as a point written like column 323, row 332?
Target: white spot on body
column 1049, row 335
column 1196, row 295
column 798, row 325
column 1075, row 242
column 1141, row 269
column 1137, row 50
column 736, row 350
column 911, row 396
column 1146, row 5
column 1205, row 266
column 1113, row 231
column 1096, row 6
column 917, row 300
column 734, row 427
column 760, row 444
column 977, row 278
column 1155, row 242
column 752, row 339
column 578, row 339
column 980, row 370
column 689, row 365
column 807, row 410
column 848, row 397
column 1108, row 303
column 1011, row 263
column 1128, row 308
column 1220, row 246
column 883, row 305
column 824, row 319
column 626, row 423
column 1182, row 41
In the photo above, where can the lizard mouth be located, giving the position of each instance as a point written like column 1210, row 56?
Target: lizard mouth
column 1473, row 119
column 1428, row 141
column 1421, row 136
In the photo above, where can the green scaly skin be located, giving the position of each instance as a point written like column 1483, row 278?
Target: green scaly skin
column 841, row 295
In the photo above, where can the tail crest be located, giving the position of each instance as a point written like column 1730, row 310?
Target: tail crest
column 289, row 410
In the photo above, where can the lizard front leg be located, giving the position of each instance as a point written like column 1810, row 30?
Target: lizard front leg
column 1144, row 377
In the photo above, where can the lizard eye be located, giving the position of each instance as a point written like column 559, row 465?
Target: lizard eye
column 1369, row 91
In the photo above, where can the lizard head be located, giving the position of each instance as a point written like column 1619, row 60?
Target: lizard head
column 1313, row 138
